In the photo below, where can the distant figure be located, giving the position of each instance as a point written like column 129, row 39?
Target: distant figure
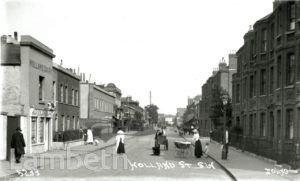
column 90, row 139
column 81, row 132
column 198, row 146
column 206, row 150
column 120, row 146
column 18, row 143
column 210, row 135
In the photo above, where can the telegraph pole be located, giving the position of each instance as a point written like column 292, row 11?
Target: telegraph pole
column 150, row 98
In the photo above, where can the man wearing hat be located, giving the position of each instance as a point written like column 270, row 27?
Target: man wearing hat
column 18, row 143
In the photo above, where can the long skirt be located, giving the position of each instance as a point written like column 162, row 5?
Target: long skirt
column 198, row 149
column 121, row 148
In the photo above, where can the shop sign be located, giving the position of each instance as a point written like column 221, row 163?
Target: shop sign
column 41, row 113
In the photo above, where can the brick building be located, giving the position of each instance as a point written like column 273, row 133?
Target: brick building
column 66, row 92
column 266, row 87
column 221, row 78
column 96, row 107
column 26, row 93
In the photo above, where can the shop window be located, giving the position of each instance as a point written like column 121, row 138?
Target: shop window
column 37, row 130
column 33, row 130
column 40, row 130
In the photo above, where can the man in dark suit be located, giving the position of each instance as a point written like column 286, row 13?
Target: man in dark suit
column 18, row 143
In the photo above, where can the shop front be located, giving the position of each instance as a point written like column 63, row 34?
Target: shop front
column 40, row 130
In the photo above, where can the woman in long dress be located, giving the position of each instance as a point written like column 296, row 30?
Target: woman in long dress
column 90, row 138
column 198, row 146
column 120, row 147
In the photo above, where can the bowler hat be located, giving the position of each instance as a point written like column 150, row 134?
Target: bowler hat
column 18, row 129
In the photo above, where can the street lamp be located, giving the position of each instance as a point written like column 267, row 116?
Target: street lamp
column 224, row 148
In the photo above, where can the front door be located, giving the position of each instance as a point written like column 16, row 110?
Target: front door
column 12, row 123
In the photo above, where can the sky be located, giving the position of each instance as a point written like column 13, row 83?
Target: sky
column 168, row 47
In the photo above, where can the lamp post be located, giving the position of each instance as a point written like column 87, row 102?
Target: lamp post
column 224, row 150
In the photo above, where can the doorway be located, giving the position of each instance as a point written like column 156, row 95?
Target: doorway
column 12, row 123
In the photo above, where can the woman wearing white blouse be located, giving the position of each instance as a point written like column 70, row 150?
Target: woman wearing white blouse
column 120, row 147
column 198, row 146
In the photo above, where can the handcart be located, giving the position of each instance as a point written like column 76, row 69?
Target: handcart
column 182, row 147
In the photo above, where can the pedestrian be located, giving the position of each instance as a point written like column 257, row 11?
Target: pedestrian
column 156, row 148
column 18, row 143
column 81, row 133
column 210, row 135
column 120, row 146
column 198, row 146
column 206, row 150
column 90, row 139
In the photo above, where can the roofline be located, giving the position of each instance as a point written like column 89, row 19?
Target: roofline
column 62, row 69
column 27, row 40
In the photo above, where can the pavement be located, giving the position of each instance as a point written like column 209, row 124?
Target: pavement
column 8, row 169
column 247, row 166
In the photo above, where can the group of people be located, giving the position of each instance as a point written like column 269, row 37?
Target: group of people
column 120, row 148
column 156, row 148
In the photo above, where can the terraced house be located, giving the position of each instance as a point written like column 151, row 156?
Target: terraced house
column 266, row 87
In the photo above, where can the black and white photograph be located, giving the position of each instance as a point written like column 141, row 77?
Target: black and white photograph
column 153, row 90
